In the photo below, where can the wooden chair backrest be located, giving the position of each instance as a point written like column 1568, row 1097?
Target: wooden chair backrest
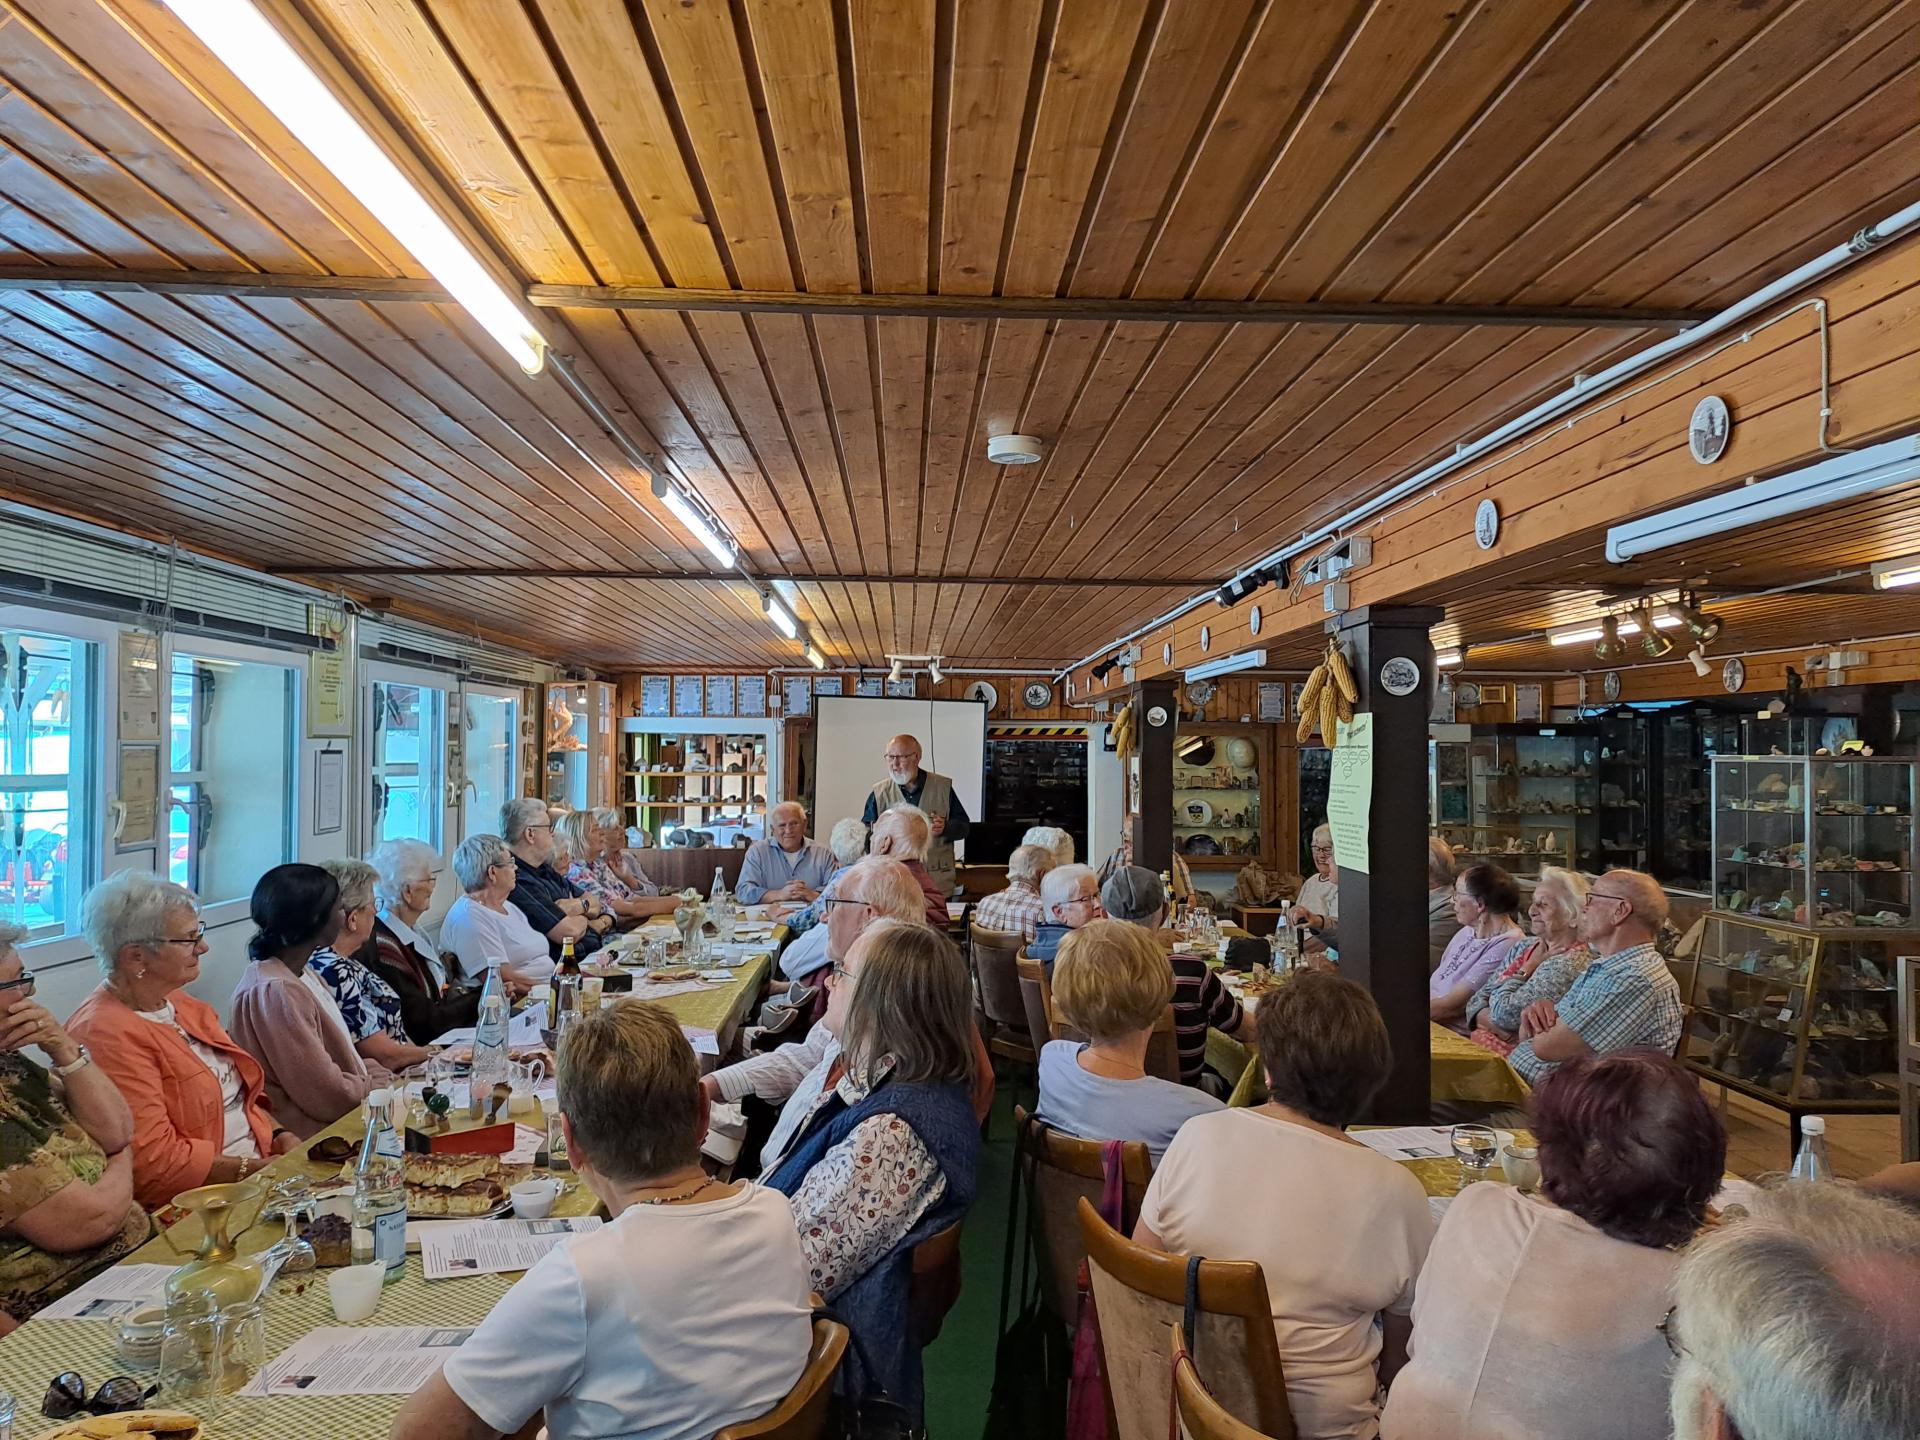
column 1139, row 1292
column 1067, row 1170
column 1036, row 1001
column 1163, row 1049
column 803, row 1414
column 934, row 1283
column 993, row 961
column 1201, row 1416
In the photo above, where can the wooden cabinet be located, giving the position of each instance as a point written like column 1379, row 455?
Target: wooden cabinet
column 1226, row 801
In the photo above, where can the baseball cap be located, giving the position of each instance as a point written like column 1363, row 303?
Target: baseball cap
column 1132, row 892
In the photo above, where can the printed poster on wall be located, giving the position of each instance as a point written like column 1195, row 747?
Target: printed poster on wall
column 798, row 690
column 689, row 694
column 137, row 790
column 656, row 696
column 719, row 694
column 1350, row 793
column 330, row 674
column 869, row 685
column 1272, row 700
column 752, row 698
column 905, row 688
column 139, row 688
column 829, row 685
column 1528, row 701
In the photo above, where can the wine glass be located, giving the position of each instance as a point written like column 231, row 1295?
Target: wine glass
column 1475, row 1146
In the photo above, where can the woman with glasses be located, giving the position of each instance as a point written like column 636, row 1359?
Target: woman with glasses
column 1541, row 1314
column 199, row 1102
column 400, row 955
column 283, row 1013
column 1318, row 906
column 484, row 927
column 66, row 1154
column 369, row 1006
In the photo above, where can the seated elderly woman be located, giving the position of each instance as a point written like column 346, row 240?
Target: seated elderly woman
column 1541, row 1315
column 399, row 954
column 592, row 839
column 686, row 1313
column 1544, row 970
column 199, row 1101
column 484, row 926
column 903, row 833
column 67, row 1206
column 1486, row 901
column 1200, row 1002
column 888, row 1157
column 1317, row 907
column 1340, row 1231
column 847, row 842
column 1069, row 898
column 369, row 1006
column 551, row 904
column 1057, row 842
column 1017, row 910
column 283, row 1013
column 1112, row 983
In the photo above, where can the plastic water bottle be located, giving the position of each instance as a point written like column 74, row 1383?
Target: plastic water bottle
column 381, row 1105
column 489, row 1042
column 719, row 895
column 6, row 1416
column 558, row 1160
column 379, row 1198
column 1811, row 1163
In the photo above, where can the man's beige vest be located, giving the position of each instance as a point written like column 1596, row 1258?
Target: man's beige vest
column 936, row 796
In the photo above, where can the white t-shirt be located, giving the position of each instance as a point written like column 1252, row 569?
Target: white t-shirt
column 310, row 978
column 670, row 1323
column 238, row 1139
column 476, row 935
column 1340, row 1233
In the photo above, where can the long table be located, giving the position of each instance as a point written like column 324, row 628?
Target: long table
column 33, row 1354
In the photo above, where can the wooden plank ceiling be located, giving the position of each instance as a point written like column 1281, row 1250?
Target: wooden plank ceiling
column 1652, row 154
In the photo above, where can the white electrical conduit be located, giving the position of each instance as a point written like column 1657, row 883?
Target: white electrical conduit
column 1583, row 389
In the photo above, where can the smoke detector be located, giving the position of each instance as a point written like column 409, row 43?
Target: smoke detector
column 1013, row 449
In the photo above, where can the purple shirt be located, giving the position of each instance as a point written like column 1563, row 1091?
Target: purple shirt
column 1469, row 961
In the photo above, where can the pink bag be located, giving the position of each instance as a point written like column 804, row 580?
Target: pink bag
column 1088, row 1405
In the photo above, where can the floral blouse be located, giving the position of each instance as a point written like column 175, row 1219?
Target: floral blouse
column 1506, row 995
column 600, row 879
column 367, row 1003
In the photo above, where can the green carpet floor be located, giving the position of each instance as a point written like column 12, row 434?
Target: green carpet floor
column 959, row 1365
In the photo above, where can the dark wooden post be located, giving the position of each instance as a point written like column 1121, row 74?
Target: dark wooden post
column 1383, row 910
column 1153, row 826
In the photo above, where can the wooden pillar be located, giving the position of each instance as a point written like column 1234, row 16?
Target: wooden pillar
column 1153, row 826
column 1383, row 909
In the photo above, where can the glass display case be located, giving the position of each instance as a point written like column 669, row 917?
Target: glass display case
column 1313, row 767
column 1801, row 1019
column 1815, row 841
column 1223, row 813
column 1626, row 772
column 578, row 746
column 1030, row 781
column 1519, row 796
column 1682, row 828
column 696, row 787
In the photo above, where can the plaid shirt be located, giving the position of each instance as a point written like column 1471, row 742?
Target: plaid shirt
column 1014, row 910
column 1625, row 1001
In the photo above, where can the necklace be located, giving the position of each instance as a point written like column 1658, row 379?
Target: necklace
column 683, row 1195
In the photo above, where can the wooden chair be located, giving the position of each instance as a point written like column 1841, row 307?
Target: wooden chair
column 934, row 1284
column 1139, row 1292
column 803, row 1414
column 994, row 953
column 1201, row 1416
column 1036, row 1002
column 1067, row 1170
column 1163, row 1047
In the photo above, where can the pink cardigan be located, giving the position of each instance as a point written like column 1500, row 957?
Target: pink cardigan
column 312, row 1070
column 179, row 1124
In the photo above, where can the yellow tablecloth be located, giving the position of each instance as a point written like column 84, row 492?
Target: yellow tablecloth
column 32, row 1355
column 1457, row 1068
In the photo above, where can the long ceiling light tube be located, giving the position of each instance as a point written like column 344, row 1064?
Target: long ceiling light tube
column 1583, row 389
column 1844, row 477
column 247, row 44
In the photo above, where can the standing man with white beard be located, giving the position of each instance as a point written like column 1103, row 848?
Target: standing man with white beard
column 908, row 784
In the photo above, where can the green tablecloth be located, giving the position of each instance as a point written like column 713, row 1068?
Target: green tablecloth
column 1458, row 1069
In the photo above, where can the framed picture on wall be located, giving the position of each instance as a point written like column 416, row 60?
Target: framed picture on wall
column 798, row 693
column 656, row 696
column 1527, row 702
column 719, row 694
column 1272, row 700
column 752, row 696
column 869, row 685
column 829, row 685
column 689, row 695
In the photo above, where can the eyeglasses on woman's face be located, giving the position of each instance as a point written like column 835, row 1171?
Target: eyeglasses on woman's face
column 197, row 938
column 21, row 986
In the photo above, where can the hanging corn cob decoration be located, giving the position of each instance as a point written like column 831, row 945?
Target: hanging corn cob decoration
column 1123, row 732
column 1328, row 697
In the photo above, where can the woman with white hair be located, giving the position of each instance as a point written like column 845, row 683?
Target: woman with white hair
column 1055, row 839
column 1318, row 907
column 1544, row 970
column 593, row 838
column 199, row 1101
column 404, row 875
column 903, row 833
column 484, row 927
column 368, row 1005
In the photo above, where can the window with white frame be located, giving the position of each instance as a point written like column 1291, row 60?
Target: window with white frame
column 232, row 762
column 492, row 745
column 48, row 766
column 408, row 758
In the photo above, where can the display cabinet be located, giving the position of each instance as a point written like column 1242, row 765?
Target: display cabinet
column 1682, row 828
column 1223, row 806
column 708, row 784
column 578, row 749
column 1520, row 796
column 1626, row 775
column 1801, row 1019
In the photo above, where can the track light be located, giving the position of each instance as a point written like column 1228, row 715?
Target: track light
column 1652, row 643
column 1102, row 668
column 1686, row 612
column 895, row 671
column 934, row 673
column 780, row 617
column 1697, row 657
column 718, row 545
column 1610, row 647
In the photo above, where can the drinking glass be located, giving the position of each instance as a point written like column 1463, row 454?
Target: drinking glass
column 1475, row 1146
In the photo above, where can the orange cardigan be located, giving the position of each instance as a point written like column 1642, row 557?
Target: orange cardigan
column 179, row 1129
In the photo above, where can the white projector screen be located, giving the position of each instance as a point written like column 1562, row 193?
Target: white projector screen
column 850, row 747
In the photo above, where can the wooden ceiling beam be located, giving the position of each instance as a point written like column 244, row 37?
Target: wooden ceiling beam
column 92, row 279
column 695, row 577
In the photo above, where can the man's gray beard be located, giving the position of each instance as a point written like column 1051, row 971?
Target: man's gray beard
column 1688, row 1401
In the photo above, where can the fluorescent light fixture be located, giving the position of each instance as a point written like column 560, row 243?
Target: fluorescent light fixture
column 814, row 657
column 248, row 45
column 1443, row 658
column 1844, row 477
column 1893, row 574
column 718, row 545
column 780, row 617
column 934, row 672
column 1226, row 665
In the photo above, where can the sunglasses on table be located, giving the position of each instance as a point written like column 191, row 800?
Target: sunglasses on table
column 67, row 1396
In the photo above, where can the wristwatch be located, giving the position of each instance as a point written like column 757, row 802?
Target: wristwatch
column 79, row 1062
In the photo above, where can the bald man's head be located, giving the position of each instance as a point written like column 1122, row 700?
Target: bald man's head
column 903, row 759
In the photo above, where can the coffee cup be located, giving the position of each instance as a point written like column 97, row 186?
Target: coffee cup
column 1521, row 1165
column 355, row 1291
column 533, row 1199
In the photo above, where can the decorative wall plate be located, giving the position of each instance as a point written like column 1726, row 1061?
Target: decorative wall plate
column 1709, row 430
column 1610, row 686
column 1466, row 694
column 1733, row 675
column 1038, row 695
column 1199, row 692
column 985, row 693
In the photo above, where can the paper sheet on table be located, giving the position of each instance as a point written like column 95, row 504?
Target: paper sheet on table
column 739, row 952
column 523, row 1029
column 717, row 977
column 496, row 1247
column 648, row 990
column 704, row 1042
column 111, row 1293
column 1408, row 1142
column 359, row 1360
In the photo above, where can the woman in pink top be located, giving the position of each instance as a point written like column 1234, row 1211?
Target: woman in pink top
column 1541, row 1315
column 1486, row 902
